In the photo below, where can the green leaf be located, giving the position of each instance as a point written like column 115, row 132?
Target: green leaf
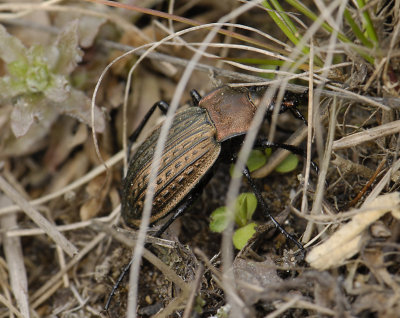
column 199, row 304
column 17, row 68
column 68, row 46
column 11, row 48
column 246, row 204
column 37, row 78
column 356, row 30
column 243, row 235
column 369, row 26
column 219, row 220
column 256, row 160
column 289, row 164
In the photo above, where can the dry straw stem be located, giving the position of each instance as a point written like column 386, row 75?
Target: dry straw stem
column 347, row 241
column 112, row 217
column 52, row 285
column 392, row 172
column 195, row 289
column 71, row 187
column 167, row 271
column 386, row 103
column 22, row 9
column 347, row 166
column 367, row 135
column 36, row 217
column 15, row 262
column 297, row 302
column 10, row 307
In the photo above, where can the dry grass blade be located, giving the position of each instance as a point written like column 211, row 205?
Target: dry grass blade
column 367, row 135
column 51, row 286
column 348, row 240
column 49, row 228
column 72, row 186
column 15, row 261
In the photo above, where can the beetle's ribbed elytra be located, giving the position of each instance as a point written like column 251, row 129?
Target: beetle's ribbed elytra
column 190, row 151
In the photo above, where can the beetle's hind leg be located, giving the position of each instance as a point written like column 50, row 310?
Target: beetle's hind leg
column 196, row 97
column 264, row 207
column 176, row 213
column 163, row 106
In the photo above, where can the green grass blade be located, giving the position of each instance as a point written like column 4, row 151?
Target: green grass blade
column 368, row 23
column 356, row 30
column 285, row 18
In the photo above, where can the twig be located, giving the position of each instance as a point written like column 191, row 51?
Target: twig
column 366, row 187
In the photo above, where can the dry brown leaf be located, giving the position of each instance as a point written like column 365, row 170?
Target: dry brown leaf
column 347, row 240
column 254, row 277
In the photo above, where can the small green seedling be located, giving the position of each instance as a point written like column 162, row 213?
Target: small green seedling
column 245, row 205
column 287, row 165
column 199, row 304
column 258, row 158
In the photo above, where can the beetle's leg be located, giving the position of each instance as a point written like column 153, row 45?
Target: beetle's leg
column 180, row 210
column 297, row 114
column 117, row 283
column 291, row 101
column 296, row 150
column 261, row 201
column 196, row 97
column 177, row 212
column 163, row 106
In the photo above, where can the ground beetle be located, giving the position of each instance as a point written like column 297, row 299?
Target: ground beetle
column 200, row 136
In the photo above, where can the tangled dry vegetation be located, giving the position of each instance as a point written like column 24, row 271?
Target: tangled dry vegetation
column 63, row 241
